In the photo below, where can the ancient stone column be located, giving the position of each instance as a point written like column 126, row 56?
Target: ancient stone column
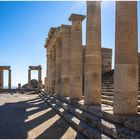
column 39, row 77
column 126, row 59
column 76, row 57
column 58, row 68
column 1, row 79
column 51, row 72
column 49, row 69
column 65, row 61
column 53, row 68
column 92, row 87
column 9, row 79
column 29, row 79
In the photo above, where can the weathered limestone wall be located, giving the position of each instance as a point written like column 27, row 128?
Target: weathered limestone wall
column 106, row 59
column 126, row 59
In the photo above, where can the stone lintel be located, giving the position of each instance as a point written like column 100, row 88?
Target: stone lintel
column 4, row 67
column 75, row 17
column 35, row 67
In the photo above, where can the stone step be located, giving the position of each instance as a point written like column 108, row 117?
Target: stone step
column 107, row 87
column 107, row 97
column 107, row 102
column 107, row 93
column 82, row 120
column 108, row 90
column 114, row 130
column 79, row 125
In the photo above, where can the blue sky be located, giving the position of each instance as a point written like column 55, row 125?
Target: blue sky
column 25, row 25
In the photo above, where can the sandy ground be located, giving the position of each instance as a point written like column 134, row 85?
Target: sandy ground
column 27, row 116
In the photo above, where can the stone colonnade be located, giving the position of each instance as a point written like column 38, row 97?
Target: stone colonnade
column 39, row 69
column 2, row 68
column 64, row 56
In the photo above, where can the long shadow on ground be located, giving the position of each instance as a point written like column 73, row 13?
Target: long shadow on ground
column 13, row 118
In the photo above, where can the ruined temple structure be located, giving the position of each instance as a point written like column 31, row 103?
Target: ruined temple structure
column 80, row 84
column 36, row 68
column 2, row 69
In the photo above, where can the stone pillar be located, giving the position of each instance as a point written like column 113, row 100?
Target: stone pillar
column 76, row 57
column 53, row 68
column 92, row 87
column 65, row 61
column 9, row 79
column 51, row 72
column 29, row 79
column 39, row 77
column 126, row 59
column 49, row 69
column 1, row 79
column 58, row 68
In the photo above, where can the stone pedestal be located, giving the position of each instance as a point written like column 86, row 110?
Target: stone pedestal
column 76, row 57
column 92, row 87
column 126, row 59
column 58, row 68
column 65, row 62
column 9, row 80
column 1, row 79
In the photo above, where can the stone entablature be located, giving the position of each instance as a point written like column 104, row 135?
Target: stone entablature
column 54, row 34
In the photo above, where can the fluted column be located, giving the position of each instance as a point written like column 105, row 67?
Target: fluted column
column 92, row 87
column 65, row 61
column 29, row 79
column 58, row 68
column 76, row 57
column 126, row 59
column 9, row 79
column 1, row 79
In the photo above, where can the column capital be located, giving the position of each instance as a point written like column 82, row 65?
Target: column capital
column 75, row 17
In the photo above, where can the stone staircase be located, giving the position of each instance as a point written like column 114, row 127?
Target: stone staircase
column 94, row 121
column 108, row 89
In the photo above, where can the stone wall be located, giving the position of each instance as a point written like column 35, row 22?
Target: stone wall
column 106, row 59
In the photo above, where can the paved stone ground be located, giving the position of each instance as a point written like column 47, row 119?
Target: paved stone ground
column 27, row 116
